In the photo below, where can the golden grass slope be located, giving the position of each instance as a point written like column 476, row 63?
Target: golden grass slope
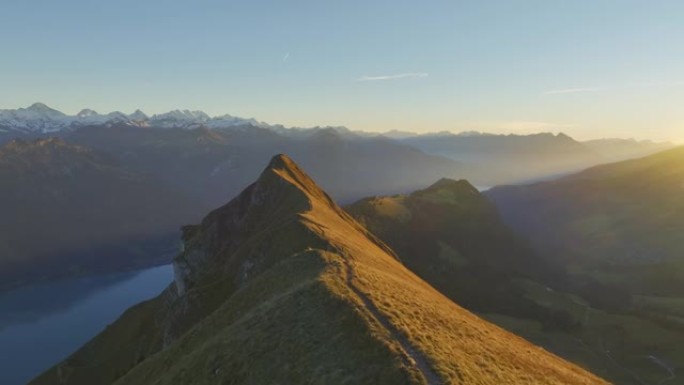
column 333, row 306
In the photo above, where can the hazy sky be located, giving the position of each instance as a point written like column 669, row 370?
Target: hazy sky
column 590, row 68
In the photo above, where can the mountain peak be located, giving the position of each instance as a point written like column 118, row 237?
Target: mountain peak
column 281, row 161
column 280, row 270
column 39, row 107
column 450, row 183
column 282, row 168
column 282, row 193
column 42, row 109
column 86, row 112
column 138, row 115
column 461, row 188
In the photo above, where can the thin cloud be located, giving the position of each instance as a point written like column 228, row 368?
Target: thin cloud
column 621, row 88
column 656, row 84
column 393, row 77
column 572, row 90
column 286, row 56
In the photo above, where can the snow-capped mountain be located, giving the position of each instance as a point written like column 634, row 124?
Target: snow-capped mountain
column 41, row 119
column 38, row 118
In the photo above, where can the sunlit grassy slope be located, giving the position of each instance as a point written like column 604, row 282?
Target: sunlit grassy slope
column 282, row 286
column 452, row 236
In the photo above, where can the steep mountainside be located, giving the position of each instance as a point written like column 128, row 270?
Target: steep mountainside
column 68, row 210
column 282, row 285
column 621, row 223
column 452, row 237
column 618, row 230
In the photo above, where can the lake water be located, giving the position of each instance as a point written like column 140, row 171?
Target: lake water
column 42, row 324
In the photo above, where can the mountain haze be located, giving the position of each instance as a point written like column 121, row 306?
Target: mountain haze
column 281, row 283
column 69, row 210
column 453, row 237
column 450, row 235
column 617, row 229
column 211, row 164
column 620, row 222
column 510, row 158
column 503, row 159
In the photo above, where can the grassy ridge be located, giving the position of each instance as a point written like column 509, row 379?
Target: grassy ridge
column 283, row 285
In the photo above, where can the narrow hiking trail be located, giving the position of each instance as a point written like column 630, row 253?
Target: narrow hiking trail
column 414, row 357
column 666, row 367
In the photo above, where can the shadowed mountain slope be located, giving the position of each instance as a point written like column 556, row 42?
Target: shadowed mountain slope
column 618, row 230
column 620, row 223
column 282, row 285
column 452, row 236
column 69, row 210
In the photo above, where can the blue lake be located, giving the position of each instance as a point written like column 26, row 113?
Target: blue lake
column 42, row 324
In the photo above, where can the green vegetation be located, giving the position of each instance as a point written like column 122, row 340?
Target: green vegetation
column 282, row 285
column 615, row 346
column 445, row 235
column 619, row 224
column 617, row 229
column 451, row 236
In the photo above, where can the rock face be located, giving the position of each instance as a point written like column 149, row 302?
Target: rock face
column 281, row 285
column 225, row 229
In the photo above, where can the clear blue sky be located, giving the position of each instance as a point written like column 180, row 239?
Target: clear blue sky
column 590, row 68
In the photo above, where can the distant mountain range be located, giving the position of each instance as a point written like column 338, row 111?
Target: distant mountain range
column 213, row 164
column 207, row 160
column 280, row 285
column 41, row 119
column 503, row 159
column 484, row 159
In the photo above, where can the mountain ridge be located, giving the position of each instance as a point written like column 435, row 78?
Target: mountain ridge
column 41, row 119
column 281, row 283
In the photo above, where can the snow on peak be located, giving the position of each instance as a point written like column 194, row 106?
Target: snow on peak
column 41, row 109
column 41, row 119
column 138, row 116
column 36, row 118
